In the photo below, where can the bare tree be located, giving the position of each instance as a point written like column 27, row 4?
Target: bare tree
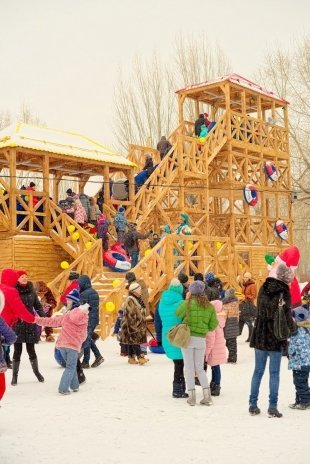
column 289, row 74
column 145, row 102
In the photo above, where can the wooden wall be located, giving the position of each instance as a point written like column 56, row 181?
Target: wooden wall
column 39, row 256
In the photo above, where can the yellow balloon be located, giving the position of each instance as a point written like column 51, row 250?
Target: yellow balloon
column 88, row 245
column 202, row 140
column 218, row 245
column 110, row 306
column 190, row 245
column 75, row 236
column 147, row 252
column 26, row 198
column 64, row 265
column 116, row 283
column 71, row 228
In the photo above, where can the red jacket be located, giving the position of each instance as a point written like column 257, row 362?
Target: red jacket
column 14, row 308
column 69, row 289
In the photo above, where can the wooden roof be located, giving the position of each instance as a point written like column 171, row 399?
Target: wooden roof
column 68, row 144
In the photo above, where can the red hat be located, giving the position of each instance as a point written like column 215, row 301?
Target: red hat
column 290, row 256
column 20, row 273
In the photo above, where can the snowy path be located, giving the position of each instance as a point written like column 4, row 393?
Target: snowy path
column 125, row 414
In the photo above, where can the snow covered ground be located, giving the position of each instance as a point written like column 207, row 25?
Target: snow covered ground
column 125, row 414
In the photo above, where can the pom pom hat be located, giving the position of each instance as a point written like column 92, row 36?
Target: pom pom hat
column 197, row 288
column 74, row 296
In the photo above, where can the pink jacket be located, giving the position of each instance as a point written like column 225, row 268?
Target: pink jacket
column 74, row 328
column 216, row 352
column 80, row 215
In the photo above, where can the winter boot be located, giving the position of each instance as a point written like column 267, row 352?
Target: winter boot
column 206, row 400
column 85, row 365
column 35, row 368
column 98, row 361
column 132, row 360
column 183, row 386
column 192, row 397
column 142, row 360
column 250, row 334
column 15, row 372
column 178, row 391
column 215, row 391
column 273, row 412
column 254, row 410
column 81, row 377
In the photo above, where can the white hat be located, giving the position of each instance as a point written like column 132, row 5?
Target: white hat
column 135, row 288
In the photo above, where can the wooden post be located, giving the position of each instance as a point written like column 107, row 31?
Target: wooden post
column 46, row 190
column 227, row 105
column 196, row 109
column 243, row 103
column 131, row 179
column 56, row 182
column 180, row 103
column 12, row 192
column 106, row 182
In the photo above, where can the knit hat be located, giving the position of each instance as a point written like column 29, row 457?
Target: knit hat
column 300, row 314
column 290, row 256
column 175, row 282
column 230, row 296
column 183, row 278
column 21, row 273
column 209, row 277
column 247, row 275
column 197, row 288
column 121, row 209
column 74, row 296
column 135, row 288
column 74, row 275
column 69, row 191
column 285, row 274
column 130, row 277
column 198, row 276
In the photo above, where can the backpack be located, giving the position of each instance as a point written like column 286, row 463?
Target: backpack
column 280, row 329
column 129, row 240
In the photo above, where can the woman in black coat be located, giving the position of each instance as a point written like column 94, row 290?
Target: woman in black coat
column 264, row 340
column 27, row 333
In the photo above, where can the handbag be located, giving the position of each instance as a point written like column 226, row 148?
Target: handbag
column 280, row 328
column 179, row 335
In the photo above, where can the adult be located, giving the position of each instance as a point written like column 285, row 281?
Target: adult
column 27, row 333
column 169, row 302
column 73, row 284
column 32, row 188
column 48, row 303
column 131, row 278
column 198, row 123
column 149, row 164
column 89, row 295
column 201, row 318
column 248, row 308
column 9, row 338
column 120, row 223
column 131, row 242
column 133, row 327
column 273, row 292
column 84, row 199
column 163, row 147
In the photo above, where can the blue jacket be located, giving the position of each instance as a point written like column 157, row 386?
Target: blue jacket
column 89, row 295
column 299, row 349
column 169, row 302
column 158, row 325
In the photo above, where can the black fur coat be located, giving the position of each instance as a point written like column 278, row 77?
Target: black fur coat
column 263, row 337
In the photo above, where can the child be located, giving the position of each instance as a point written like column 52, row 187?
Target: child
column 299, row 358
column 231, row 329
column 48, row 302
column 117, row 333
column 216, row 350
column 74, row 331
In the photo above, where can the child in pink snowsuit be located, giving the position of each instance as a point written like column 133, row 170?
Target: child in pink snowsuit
column 216, row 352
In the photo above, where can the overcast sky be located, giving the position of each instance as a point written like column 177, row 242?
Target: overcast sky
column 61, row 57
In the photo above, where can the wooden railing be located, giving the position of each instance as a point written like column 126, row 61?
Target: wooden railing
column 89, row 263
column 172, row 255
column 5, row 216
column 75, row 242
column 255, row 131
column 137, row 153
column 31, row 215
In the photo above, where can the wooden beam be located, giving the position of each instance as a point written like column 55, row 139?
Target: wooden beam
column 12, row 192
column 106, row 181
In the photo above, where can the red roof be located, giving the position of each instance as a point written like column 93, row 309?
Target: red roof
column 239, row 80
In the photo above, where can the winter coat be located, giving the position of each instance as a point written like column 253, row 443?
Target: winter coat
column 169, row 302
column 102, row 227
column 158, row 326
column 86, row 205
column 7, row 333
column 133, row 327
column 149, row 166
column 117, row 325
column 299, row 349
column 89, row 295
column 198, row 123
column 120, row 222
column 162, row 146
column 263, row 337
column 250, row 290
column 28, row 333
column 144, row 294
column 14, row 308
column 231, row 329
column 136, row 237
column 201, row 319
column 213, row 293
column 47, row 301
column 74, row 328
column 80, row 215
column 216, row 352
column 73, row 284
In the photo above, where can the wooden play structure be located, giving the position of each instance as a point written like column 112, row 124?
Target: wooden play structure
column 208, row 178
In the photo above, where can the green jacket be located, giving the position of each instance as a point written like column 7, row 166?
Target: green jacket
column 201, row 319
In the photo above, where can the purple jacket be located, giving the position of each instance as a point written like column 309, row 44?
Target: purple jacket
column 7, row 333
